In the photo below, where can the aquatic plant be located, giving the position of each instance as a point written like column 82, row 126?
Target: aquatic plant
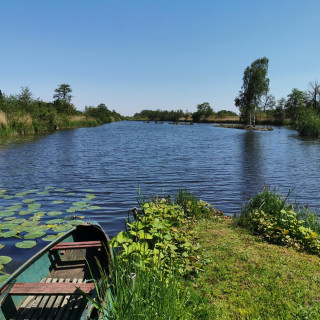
column 21, row 218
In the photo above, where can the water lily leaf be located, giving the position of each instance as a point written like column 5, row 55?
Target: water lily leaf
column 94, row 208
column 24, row 212
column 70, row 194
column 9, row 234
column 1, row 245
column 34, row 206
column 25, row 244
column 71, row 210
column 54, row 213
column 48, row 188
column 14, row 208
column 8, row 197
column 43, row 192
column 76, row 222
column 55, row 221
column 50, row 238
column 9, row 218
column 57, row 201
column 6, row 213
column 89, row 190
column 20, row 194
column 90, row 196
column 79, row 204
column 62, row 227
column 34, row 235
column 7, row 225
column 28, row 200
column 3, row 278
column 5, row 259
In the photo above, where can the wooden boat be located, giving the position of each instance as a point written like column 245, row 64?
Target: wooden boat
column 46, row 286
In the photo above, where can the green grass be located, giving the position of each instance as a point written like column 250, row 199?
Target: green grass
column 240, row 276
column 246, row 278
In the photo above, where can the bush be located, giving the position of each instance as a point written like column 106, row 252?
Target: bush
column 268, row 214
column 308, row 123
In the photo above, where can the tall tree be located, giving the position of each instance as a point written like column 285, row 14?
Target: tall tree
column 255, row 85
column 296, row 101
column 63, row 93
column 62, row 98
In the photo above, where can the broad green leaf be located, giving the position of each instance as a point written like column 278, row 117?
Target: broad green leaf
column 3, row 278
column 76, row 222
column 28, row 200
column 5, row 259
column 57, row 201
column 25, row 244
column 54, row 213
column 6, row 213
column 55, row 221
column 50, row 238
column 34, row 206
column 1, row 245
column 79, row 204
column 34, row 235
column 9, row 234
column 94, row 208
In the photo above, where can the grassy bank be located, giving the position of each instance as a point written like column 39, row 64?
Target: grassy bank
column 183, row 259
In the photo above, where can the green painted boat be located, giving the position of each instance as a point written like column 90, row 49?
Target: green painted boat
column 47, row 285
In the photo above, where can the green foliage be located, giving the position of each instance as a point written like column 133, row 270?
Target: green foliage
column 203, row 111
column 307, row 122
column 296, row 101
column 268, row 214
column 225, row 113
column 102, row 114
column 160, row 115
column 255, row 85
column 157, row 237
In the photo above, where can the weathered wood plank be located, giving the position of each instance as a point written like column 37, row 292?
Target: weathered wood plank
column 77, row 245
column 31, row 288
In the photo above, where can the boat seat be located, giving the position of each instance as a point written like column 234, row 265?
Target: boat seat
column 77, row 245
column 36, row 289
column 59, row 300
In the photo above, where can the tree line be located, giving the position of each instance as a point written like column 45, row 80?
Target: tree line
column 204, row 111
column 25, row 114
column 301, row 108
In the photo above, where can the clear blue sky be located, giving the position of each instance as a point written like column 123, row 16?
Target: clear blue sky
column 166, row 54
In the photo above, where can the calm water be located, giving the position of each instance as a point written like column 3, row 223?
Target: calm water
column 222, row 166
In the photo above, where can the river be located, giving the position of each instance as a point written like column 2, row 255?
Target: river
column 224, row 167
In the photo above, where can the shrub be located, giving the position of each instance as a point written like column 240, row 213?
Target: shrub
column 268, row 214
column 308, row 122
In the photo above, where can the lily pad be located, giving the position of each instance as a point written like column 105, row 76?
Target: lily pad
column 6, row 213
column 14, row 208
column 3, row 278
column 24, row 212
column 7, row 225
column 34, row 235
column 55, row 221
column 48, row 188
column 79, row 204
column 1, row 245
column 5, row 259
column 94, row 208
column 71, row 210
column 54, row 213
column 57, row 201
column 9, row 234
column 76, row 222
column 90, row 196
column 62, row 227
column 50, row 238
column 28, row 200
column 43, row 192
column 34, row 206
column 25, row 244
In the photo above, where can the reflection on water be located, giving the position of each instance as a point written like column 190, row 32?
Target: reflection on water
column 222, row 166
